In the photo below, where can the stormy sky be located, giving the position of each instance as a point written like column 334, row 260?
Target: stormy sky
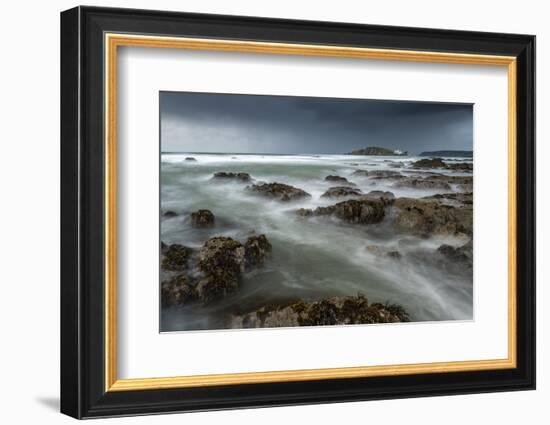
column 233, row 123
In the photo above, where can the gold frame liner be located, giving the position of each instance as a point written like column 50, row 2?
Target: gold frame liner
column 113, row 41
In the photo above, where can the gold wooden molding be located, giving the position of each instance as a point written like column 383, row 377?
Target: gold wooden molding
column 113, row 41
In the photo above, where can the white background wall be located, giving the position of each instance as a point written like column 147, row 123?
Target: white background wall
column 29, row 213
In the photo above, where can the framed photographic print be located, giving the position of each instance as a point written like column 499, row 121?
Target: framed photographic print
column 261, row 212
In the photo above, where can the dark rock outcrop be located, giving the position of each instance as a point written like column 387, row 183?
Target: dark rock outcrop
column 279, row 191
column 339, row 179
column 376, row 150
column 202, row 219
column 176, row 257
column 429, row 163
column 190, row 158
column 169, row 214
column 177, row 291
column 256, row 250
column 230, row 176
column 341, row 191
column 426, row 216
column 357, row 211
column 422, row 183
column 462, row 255
column 385, row 174
column 332, row 311
column 362, row 173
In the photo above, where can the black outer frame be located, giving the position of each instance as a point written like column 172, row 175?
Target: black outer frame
column 82, row 218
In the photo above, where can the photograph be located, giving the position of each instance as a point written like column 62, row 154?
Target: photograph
column 285, row 211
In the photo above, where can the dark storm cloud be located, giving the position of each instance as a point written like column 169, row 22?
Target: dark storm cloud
column 206, row 122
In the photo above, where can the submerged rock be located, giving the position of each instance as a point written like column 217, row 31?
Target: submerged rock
column 340, row 191
column 279, row 191
column 426, row 216
column 190, row 158
column 382, row 251
column 429, row 163
column 202, row 219
column 453, row 198
column 177, row 291
column 169, row 214
column 356, row 211
column 176, row 257
column 222, row 175
column 331, row 311
column 461, row 166
column 363, row 173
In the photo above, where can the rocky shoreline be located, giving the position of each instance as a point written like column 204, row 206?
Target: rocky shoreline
column 207, row 275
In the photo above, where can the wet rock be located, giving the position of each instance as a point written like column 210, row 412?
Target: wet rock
column 169, row 214
column 385, row 174
column 463, row 183
column 356, row 211
column 362, row 173
column 453, row 198
column 463, row 254
column 381, row 251
column 176, row 257
column 461, row 166
column 177, row 291
column 241, row 177
column 429, row 163
column 216, row 285
column 222, row 254
column 190, row 158
column 422, row 183
column 279, row 191
column 341, row 180
column 385, row 196
column 425, row 216
column 256, row 250
column 331, row 311
column 202, row 219
column 341, row 191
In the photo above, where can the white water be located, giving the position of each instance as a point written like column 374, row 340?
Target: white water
column 312, row 258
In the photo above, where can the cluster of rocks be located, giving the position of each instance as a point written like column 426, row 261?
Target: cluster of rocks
column 365, row 210
column 211, row 272
column 332, row 311
column 439, row 163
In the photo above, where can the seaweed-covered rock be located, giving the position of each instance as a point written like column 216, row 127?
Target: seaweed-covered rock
column 357, row 211
column 338, row 179
column 177, row 291
column 217, row 284
column 386, row 197
column 429, row 163
column 222, row 175
column 176, row 257
column 453, row 198
column 462, row 254
column 422, row 183
column 425, row 216
column 331, row 311
column 280, row 191
column 256, row 250
column 341, row 191
column 461, row 166
column 385, row 174
column 222, row 254
column 202, row 219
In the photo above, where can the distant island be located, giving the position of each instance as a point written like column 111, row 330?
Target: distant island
column 375, row 150
column 460, row 154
